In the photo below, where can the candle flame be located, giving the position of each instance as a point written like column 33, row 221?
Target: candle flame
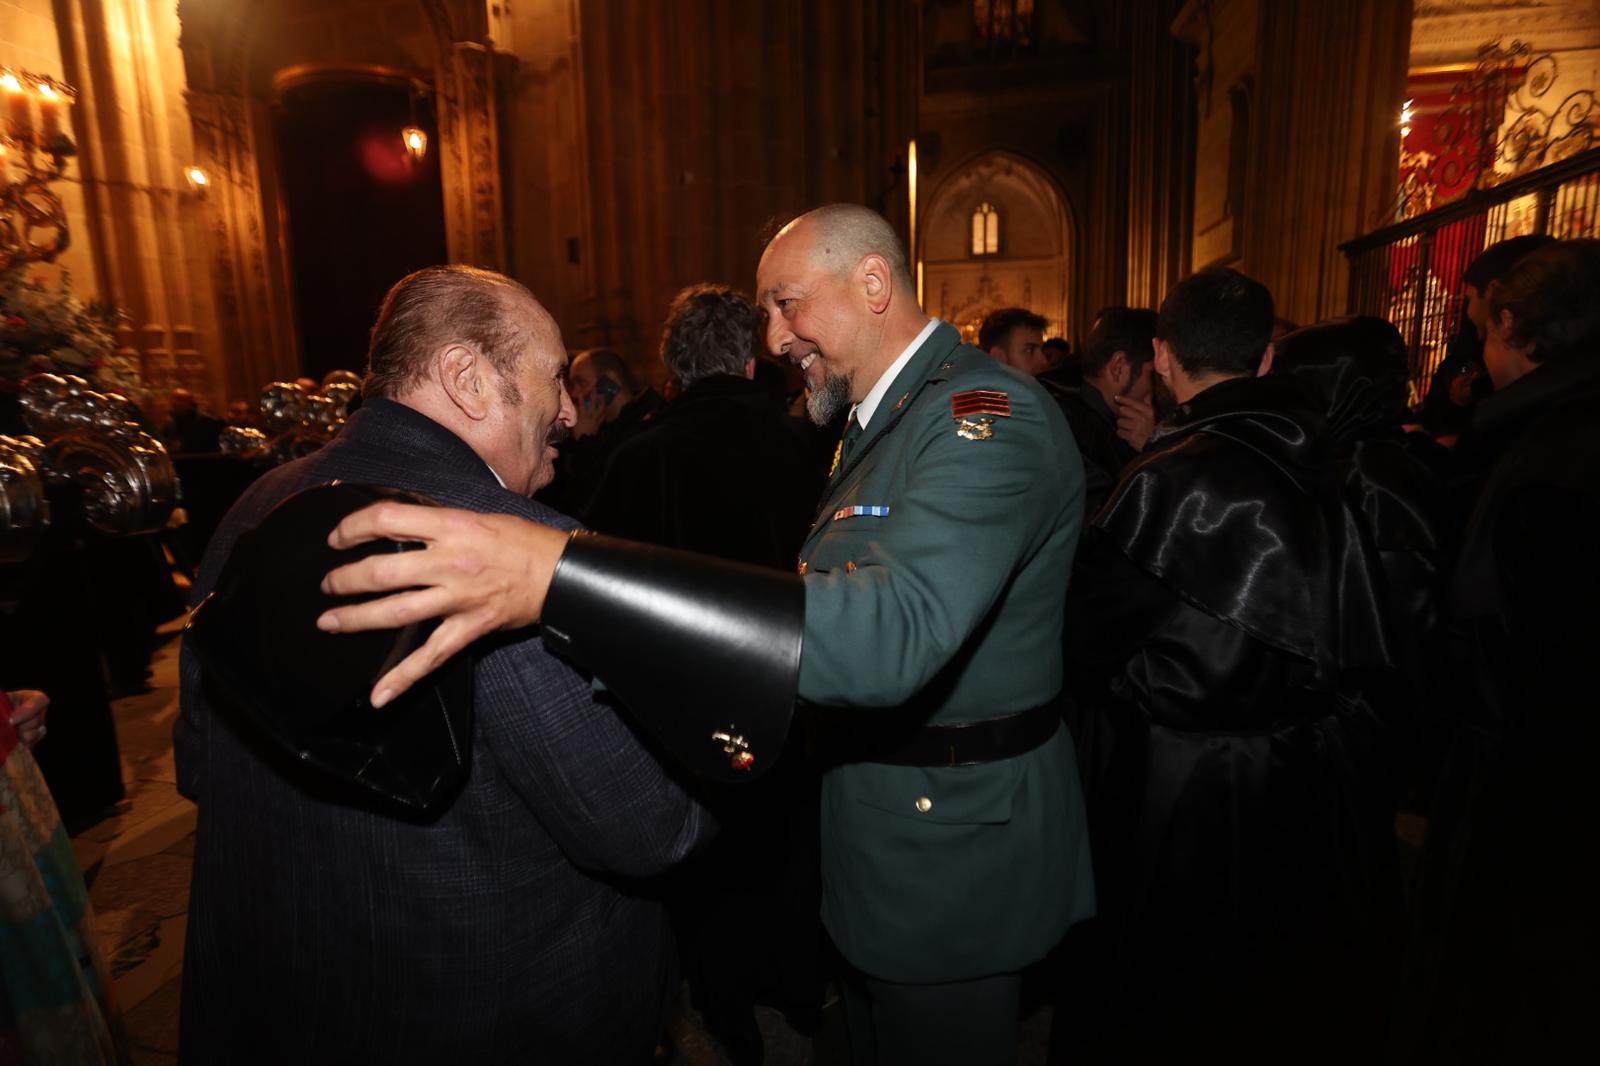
column 10, row 83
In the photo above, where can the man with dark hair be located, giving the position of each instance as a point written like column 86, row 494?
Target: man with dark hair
column 1113, row 412
column 1507, row 934
column 1064, row 366
column 511, row 925
column 1488, row 267
column 1460, row 381
column 1014, row 337
column 1219, row 612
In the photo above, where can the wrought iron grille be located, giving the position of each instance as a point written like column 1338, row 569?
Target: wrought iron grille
column 1411, row 272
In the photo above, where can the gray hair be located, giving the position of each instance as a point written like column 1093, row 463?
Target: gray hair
column 711, row 329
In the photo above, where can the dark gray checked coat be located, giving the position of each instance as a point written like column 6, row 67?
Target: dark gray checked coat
column 516, row 928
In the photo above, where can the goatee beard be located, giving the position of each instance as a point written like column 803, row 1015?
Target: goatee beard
column 833, row 397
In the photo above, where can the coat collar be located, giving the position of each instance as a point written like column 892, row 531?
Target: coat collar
column 930, row 364
column 392, row 426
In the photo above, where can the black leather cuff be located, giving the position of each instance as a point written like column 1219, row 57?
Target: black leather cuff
column 704, row 653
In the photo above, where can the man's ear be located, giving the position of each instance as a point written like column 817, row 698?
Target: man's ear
column 877, row 282
column 1163, row 359
column 1503, row 325
column 463, row 375
column 1119, row 369
column 1266, row 360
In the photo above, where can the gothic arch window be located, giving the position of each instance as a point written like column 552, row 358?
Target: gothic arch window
column 985, row 229
column 1001, row 27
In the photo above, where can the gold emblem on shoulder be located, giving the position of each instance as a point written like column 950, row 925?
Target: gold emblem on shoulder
column 804, row 566
column 838, row 450
column 901, row 402
column 975, row 428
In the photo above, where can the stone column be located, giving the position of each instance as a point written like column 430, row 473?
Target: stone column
column 1160, row 175
column 133, row 147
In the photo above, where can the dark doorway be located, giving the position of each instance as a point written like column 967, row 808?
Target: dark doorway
column 361, row 213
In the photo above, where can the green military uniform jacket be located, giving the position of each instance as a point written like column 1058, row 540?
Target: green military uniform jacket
column 948, row 605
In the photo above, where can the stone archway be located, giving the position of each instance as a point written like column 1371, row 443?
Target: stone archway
column 232, row 53
column 1022, row 216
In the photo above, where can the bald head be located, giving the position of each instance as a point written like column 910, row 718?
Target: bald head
column 443, row 305
column 841, row 235
column 840, row 300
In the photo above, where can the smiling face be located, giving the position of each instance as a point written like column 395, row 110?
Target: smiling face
column 813, row 321
column 531, row 412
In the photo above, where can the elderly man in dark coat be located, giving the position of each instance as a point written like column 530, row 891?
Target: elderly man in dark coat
column 1224, row 605
column 514, row 926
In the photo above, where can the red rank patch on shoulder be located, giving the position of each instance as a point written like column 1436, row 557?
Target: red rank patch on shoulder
column 980, row 402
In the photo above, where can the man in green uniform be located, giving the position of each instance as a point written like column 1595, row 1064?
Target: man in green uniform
column 954, row 842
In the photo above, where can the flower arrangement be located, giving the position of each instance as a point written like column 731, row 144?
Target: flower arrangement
column 51, row 330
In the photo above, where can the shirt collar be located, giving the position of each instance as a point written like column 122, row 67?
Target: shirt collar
column 868, row 407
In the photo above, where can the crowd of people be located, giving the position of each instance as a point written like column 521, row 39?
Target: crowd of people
column 1116, row 672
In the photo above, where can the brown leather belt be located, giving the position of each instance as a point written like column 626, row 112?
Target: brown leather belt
column 957, row 744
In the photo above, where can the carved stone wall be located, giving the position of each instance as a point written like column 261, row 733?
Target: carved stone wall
column 1036, row 236
column 133, row 228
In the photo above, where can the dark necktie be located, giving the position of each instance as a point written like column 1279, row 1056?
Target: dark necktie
column 847, row 444
column 852, row 435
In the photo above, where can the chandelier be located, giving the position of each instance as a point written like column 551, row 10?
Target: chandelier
column 34, row 148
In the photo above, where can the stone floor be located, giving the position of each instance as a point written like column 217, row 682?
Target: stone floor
column 137, row 864
column 138, row 861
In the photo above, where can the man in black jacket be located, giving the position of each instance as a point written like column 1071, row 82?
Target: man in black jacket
column 1222, row 610
column 515, row 926
column 721, row 469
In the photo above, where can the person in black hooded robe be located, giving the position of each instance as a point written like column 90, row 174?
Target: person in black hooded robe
column 1357, row 368
column 1506, row 964
column 1226, row 625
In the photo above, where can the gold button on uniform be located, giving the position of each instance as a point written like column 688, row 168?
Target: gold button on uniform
column 850, row 567
column 924, row 804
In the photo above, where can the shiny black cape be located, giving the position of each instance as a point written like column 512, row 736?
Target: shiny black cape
column 1234, row 507
column 1225, row 638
